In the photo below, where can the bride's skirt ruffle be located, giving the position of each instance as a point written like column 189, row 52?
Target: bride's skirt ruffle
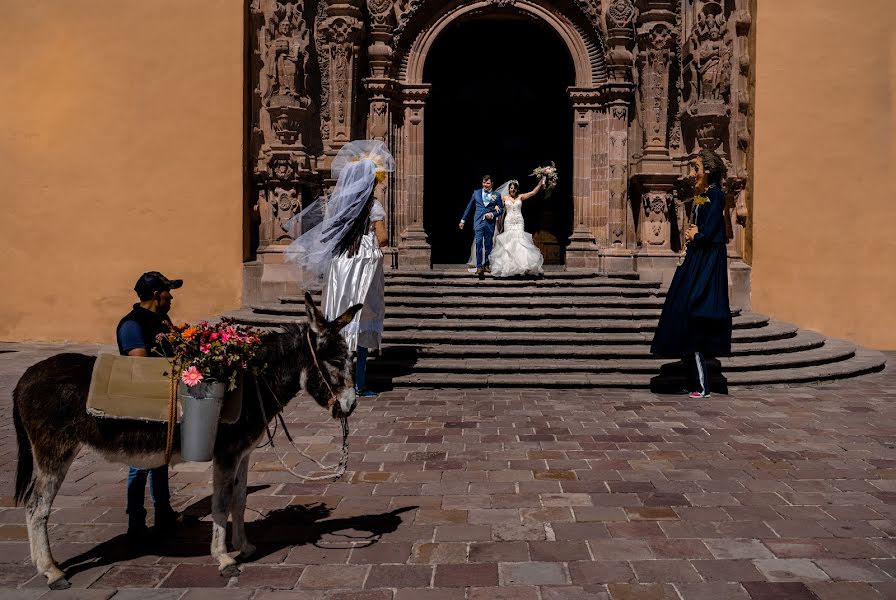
column 514, row 253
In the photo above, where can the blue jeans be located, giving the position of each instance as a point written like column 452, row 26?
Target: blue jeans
column 361, row 368
column 158, row 491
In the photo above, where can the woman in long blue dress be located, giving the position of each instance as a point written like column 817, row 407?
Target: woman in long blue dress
column 696, row 318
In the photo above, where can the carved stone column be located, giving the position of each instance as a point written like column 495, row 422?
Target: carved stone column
column 414, row 251
column 655, row 181
column 656, row 33
column 379, row 89
column 582, row 250
column 282, row 173
column 340, row 34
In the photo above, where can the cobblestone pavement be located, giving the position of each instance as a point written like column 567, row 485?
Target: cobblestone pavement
column 551, row 495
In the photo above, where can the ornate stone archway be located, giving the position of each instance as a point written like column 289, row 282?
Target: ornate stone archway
column 588, row 58
column 656, row 80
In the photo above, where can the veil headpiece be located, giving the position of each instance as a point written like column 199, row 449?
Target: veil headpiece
column 504, row 188
column 323, row 225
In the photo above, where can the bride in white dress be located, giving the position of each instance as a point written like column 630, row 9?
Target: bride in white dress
column 514, row 252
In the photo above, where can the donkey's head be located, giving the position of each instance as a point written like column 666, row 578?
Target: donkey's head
column 328, row 376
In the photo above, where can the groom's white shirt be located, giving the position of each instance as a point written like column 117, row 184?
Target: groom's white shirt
column 484, row 197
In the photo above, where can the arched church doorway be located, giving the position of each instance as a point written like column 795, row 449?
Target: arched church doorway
column 499, row 105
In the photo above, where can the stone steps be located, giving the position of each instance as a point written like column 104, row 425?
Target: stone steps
column 800, row 342
column 828, row 353
column 448, row 329
column 863, row 362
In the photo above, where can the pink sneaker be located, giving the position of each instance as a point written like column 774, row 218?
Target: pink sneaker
column 698, row 395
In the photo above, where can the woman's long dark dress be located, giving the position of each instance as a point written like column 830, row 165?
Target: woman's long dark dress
column 696, row 316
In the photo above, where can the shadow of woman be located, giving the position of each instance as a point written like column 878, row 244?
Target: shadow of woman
column 295, row 525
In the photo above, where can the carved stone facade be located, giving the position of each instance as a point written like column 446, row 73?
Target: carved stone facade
column 655, row 81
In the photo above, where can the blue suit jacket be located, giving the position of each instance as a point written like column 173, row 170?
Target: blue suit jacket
column 482, row 208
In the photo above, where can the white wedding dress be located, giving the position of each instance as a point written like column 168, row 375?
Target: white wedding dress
column 514, row 253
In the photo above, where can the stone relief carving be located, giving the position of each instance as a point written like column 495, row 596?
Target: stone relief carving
column 710, row 55
column 655, row 227
column 323, row 62
column 621, row 14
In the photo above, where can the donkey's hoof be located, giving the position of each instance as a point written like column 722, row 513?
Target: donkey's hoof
column 246, row 553
column 59, row 584
column 230, row 571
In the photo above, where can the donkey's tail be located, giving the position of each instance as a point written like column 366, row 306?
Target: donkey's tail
column 25, row 466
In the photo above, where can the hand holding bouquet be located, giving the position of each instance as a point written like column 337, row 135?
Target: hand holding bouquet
column 549, row 174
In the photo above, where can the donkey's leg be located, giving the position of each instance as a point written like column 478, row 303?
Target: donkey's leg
column 222, row 482
column 238, row 510
column 48, row 479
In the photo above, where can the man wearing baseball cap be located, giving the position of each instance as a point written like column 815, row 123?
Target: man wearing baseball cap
column 136, row 336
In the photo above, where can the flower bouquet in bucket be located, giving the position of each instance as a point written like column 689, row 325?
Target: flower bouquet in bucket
column 550, row 178
column 217, row 352
column 206, row 361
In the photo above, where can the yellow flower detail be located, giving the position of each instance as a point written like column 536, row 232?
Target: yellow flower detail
column 701, row 200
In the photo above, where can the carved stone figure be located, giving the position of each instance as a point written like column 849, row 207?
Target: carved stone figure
column 711, row 55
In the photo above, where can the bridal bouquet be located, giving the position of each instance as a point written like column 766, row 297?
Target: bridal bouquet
column 216, row 351
column 550, row 178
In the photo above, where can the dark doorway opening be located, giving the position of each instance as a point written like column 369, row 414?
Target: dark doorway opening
column 499, row 105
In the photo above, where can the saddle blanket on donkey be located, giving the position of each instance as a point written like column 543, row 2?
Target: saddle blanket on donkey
column 138, row 388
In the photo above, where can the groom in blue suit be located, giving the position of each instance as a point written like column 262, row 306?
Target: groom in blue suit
column 489, row 206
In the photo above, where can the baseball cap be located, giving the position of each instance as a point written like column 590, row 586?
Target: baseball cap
column 152, row 282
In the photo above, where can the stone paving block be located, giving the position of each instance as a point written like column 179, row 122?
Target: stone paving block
column 325, row 577
column 852, row 570
column 790, row 569
column 603, row 571
column 128, row 576
column 435, row 553
column 488, row 552
column 665, row 571
column 532, row 573
column 738, row 549
column 503, row 593
column 217, row 594
column 399, row 576
column 381, row 553
column 712, row 591
column 728, row 570
column 472, row 575
column 277, row 577
column 431, row 594
column 140, row 594
column 838, row 590
column 574, row 592
column 645, row 591
column 559, row 551
column 620, row 549
column 199, row 576
column 778, row 591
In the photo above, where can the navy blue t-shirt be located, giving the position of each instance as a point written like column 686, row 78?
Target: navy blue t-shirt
column 130, row 336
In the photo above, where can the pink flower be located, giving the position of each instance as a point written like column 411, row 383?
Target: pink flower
column 191, row 376
column 224, row 337
column 205, row 348
column 214, row 336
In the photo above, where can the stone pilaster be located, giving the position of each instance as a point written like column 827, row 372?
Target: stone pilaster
column 414, row 251
column 582, row 252
column 340, row 36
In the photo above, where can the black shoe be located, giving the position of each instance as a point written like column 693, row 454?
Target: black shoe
column 480, row 273
column 139, row 533
column 167, row 519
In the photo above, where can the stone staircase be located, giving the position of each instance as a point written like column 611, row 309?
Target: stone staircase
column 447, row 329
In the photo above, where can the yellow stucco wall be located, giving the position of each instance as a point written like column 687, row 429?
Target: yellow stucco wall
column 824, row 246
column 121, row 132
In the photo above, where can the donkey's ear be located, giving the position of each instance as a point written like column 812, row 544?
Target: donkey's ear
column 346, row 317
column 315, row 317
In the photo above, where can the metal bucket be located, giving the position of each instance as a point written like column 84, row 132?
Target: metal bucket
column 199, row 423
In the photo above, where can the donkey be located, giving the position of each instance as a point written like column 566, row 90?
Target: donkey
column 52, row 424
